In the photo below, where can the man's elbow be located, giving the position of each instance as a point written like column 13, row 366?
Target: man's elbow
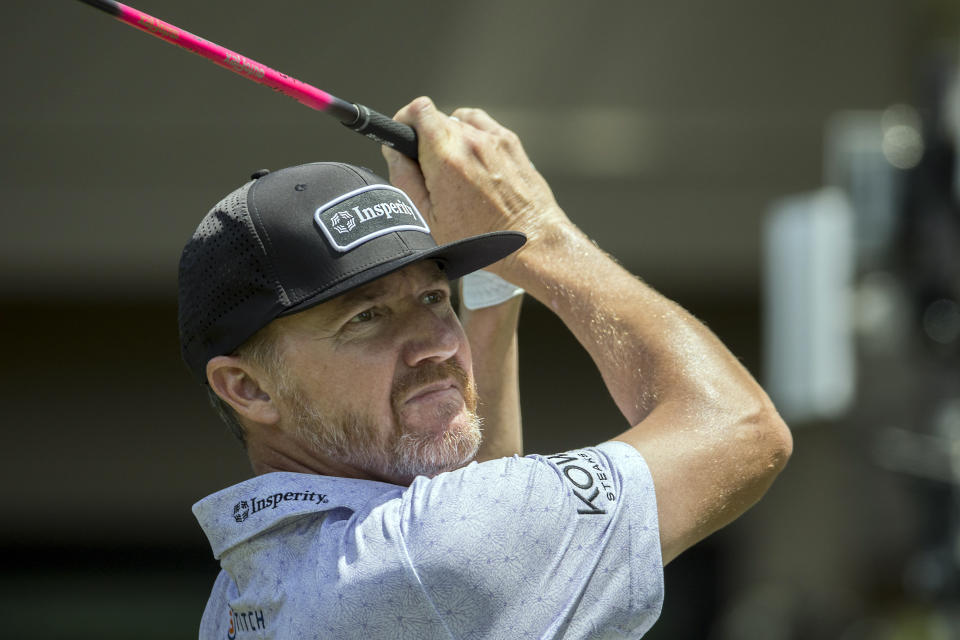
column 771, row 443
column 781, row 440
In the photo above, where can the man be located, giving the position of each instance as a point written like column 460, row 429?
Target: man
column 316, row 307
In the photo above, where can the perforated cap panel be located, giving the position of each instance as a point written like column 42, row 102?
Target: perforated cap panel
column 222, row 269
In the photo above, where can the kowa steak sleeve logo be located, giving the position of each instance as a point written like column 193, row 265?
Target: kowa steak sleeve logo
column 590, row 481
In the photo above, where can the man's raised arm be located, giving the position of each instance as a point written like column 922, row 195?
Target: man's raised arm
column 492, row 332
column 709, row 434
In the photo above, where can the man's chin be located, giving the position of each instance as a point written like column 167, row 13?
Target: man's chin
column 458, row 423
column 430, row 453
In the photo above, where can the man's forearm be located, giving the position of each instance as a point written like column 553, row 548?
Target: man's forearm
column 647, row 347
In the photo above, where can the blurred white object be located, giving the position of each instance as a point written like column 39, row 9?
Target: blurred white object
column 482, row 289
column 808, row 323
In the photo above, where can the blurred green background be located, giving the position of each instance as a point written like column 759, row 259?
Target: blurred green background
column 669, row 132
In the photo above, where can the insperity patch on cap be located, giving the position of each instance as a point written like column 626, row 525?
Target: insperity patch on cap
column 367, row 213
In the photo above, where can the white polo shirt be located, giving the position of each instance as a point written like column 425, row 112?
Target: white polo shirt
column 562, row 546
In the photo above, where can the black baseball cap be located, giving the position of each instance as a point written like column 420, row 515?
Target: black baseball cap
column 290, row 239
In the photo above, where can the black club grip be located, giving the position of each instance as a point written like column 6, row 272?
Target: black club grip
column 384, row 130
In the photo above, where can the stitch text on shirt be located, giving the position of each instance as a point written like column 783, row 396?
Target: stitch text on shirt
column 245, row 621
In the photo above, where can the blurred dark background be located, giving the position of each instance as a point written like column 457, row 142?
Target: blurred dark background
column 785, row 170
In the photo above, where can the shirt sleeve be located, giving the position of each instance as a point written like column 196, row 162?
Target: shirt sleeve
column 563, row 546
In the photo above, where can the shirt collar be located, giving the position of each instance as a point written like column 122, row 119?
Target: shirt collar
column 238, row 513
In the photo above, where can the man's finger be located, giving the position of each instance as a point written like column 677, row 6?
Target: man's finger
column 477, row 118
column 405, row 174
column 423, row 114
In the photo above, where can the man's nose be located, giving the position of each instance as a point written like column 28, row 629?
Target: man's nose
column 430, row 338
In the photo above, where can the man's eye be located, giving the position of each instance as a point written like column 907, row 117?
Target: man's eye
column 434, row 297
column 363, row 316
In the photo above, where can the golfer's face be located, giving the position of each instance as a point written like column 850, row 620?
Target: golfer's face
column 392, row 353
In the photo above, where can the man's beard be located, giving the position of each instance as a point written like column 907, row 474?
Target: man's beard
column 356, row 440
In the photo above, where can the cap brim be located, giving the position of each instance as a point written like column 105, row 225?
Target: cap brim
column 458, row 258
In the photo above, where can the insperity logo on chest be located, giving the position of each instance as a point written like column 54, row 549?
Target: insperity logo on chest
column 367, row 213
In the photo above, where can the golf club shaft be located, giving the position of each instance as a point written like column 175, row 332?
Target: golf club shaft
column 361, row 119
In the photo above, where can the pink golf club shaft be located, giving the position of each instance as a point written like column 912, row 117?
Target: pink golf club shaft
column 355, row 116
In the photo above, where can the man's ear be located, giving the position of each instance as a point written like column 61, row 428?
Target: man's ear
column 238, row 384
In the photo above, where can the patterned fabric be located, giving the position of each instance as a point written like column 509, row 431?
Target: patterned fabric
column 562, row 546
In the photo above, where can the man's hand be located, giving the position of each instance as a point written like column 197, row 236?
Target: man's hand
column 478, row 177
